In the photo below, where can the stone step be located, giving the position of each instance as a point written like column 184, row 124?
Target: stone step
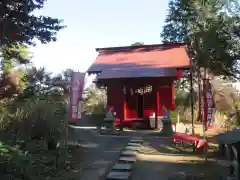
column 128, row 153
column 109, row 133
column 132, row 148
column 122, row 167
column 136, row 141
column 114, row 175
column 127, row 159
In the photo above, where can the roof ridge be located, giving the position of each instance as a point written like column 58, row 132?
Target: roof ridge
column 149, row 46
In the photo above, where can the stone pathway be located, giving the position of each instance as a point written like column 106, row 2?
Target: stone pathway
column 108, row 157
column 102, row 158
column 123, row 168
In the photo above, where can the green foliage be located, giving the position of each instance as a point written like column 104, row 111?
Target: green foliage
column 14, row 56
column 35, row 118
column 32, row 101
column 182, row 99
column 137, row 44
column 95, row 100
column 183, row 96
column 174, row 116
column 15, row 163
column 20, row 25
column 97, row 119
column 13, row 79
column 210, row 30
column 36, row 113
column 40, row 116
column 235, row 116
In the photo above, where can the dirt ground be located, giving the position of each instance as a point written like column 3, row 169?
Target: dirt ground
column 159, row 160
column 92, row 156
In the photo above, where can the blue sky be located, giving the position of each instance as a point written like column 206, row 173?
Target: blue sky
column 97, row 23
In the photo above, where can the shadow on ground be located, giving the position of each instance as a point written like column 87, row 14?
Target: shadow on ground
column 159, row 159
column 156, row 168
column 89, row 155
column 163, row 146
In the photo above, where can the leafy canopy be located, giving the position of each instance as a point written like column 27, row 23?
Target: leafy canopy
column 137, row 44
column 18, row 24
column 19, row 28
column 211, row 31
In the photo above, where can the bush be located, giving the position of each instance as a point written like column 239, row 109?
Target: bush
column 174, row 116
column 97, row 119
column 28, row 126
column 34, row 119
column 14, row 163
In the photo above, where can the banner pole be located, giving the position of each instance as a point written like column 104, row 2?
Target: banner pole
column 74, row 105
column 192, row 103
column 203, row 114
column 66, row 140
column 66, row 130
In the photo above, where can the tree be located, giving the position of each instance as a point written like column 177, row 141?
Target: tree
column 183, row 98
column 210, row 30
column 137, row 44
column 95, row 100
column 32, row 100
column 12, row 80
column 19, row 25
column 42, row 82
column 18, row 28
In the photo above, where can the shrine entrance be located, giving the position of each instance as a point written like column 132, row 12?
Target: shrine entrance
column 140, row 80
column 140, row 105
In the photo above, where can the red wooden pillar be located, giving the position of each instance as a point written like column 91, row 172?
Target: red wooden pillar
column 157, row 108
column 173, row 97
column 125, row 107
column 122, row 106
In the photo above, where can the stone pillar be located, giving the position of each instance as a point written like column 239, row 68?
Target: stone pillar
column 235, row 162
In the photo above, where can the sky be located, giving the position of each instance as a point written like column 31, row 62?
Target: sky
column 94, row 24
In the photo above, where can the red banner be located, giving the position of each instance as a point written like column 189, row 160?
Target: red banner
column 200, row 101
column 76, row 90
column 199, row 108
column 208, row 104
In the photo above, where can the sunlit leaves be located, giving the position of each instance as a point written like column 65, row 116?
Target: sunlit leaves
column 209, row 30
